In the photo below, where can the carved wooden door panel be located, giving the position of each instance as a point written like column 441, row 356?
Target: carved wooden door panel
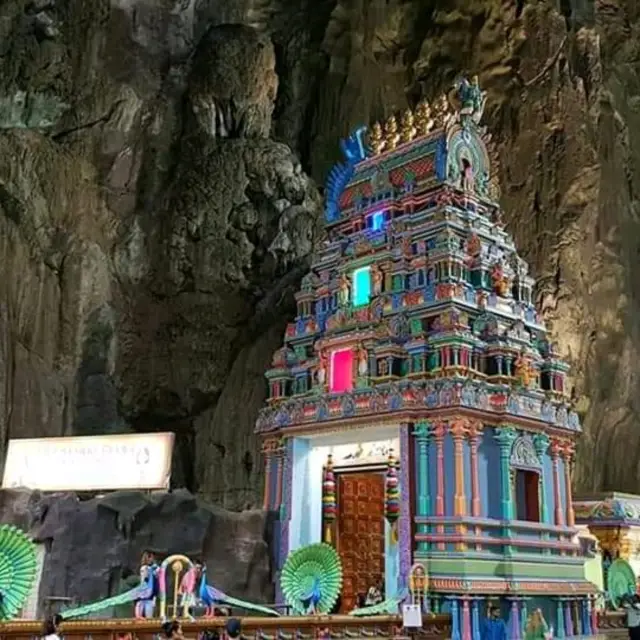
column 360, row 534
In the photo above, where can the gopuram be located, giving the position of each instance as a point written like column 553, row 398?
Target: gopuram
column 418, row 413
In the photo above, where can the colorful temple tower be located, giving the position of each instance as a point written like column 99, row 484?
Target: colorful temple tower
column 417, row 411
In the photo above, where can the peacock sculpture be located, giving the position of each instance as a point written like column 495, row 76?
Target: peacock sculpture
column 311, row 579
column 144, row 596
column 210, row 596
column 17, row 570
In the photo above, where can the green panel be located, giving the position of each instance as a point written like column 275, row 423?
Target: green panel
column 501, row 568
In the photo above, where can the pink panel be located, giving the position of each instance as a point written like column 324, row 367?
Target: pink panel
column 342, row 371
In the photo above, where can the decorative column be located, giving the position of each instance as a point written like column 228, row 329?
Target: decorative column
column 466, row 619
column 513, row 625
column 541, row 444
column 505, row 437
column 567, row 455
column 475, row 434
column 476, row 631
column 458, row 430
column 559, row 619
column 438, row 435
column 594, row 615
column 556, row 449
column 523, row 617
column 568, row 622
column 268, row 449
column 421, row 434
column 455, row 620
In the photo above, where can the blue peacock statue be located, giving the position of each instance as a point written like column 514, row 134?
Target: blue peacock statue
column 17, row 570
column 210, row 596
column 353, row 150
column 144, row 596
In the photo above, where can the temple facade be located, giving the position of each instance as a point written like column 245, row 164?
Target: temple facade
column 418, row 412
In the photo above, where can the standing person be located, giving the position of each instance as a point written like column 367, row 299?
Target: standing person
column 537, row 628
column 51, row 627
column 172, row 630
column 494, row 627
column 632, row 606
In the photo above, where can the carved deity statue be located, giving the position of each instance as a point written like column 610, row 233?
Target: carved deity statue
column 522, row 370
column 391, row 135
column 377, row 279
column 407, row 130
column 499, row 280
column 472, row 100
column 423, row 120
column 363, row 362
column 376, row 139
column 344, row 290
column 466, row 176
column 442, row 110
column 321, row 371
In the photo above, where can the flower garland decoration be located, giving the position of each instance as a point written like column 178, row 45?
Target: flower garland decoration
column 329, row 503
column 392, row 496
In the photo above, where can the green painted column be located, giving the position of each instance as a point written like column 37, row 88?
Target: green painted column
column 421, row 432
column 541, row 444
column 505, row 436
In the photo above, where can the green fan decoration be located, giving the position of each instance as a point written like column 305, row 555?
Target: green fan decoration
column 621, row 581
column 17, row 570
column 312, row 578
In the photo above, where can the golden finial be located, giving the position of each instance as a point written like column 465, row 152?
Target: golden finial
column 391, row 134
column 407, row 130
column 442, row 111
column 423, row 119
column 376, row 140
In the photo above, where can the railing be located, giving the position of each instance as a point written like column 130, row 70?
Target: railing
column 284, row 628
column 486, row 534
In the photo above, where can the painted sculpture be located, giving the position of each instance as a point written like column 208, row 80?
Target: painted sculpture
column 190, row 588
column 311, row 579
column 143, row 597
column 17, row 570
column 417, row 332
column 211, row 596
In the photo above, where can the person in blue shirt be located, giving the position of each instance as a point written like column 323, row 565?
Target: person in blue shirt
column 494, row 627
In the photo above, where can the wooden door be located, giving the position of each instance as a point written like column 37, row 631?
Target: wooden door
column 360, row 534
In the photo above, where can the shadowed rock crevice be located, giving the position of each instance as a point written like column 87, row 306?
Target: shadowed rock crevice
column 157, row 213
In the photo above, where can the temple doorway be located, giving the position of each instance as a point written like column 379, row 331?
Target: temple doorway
column 527, row 495
column 360, row 533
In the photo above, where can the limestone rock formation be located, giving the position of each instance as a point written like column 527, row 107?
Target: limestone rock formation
column 91, row 544
column 154, row 223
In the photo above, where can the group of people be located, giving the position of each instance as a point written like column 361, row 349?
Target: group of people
column 494, row 627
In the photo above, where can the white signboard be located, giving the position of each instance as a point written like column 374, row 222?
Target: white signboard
column 362, row 453
column 411, row 616
column 90, row 463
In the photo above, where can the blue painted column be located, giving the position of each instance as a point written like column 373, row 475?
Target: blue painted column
column 455, row 620
column 586, row 616
column 541, row 444
column 505, row 436
column 559, row 619
column 523, row 617
column 476, row 633
column 421, row 433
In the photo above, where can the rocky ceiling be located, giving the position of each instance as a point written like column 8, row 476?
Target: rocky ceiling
column 156, row 211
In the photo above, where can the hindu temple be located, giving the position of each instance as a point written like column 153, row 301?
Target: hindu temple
column 418, row 412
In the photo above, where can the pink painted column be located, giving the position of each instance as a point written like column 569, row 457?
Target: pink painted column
column 567, row 455
column 555, row 449
column 438, row 436
column 466, row 620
